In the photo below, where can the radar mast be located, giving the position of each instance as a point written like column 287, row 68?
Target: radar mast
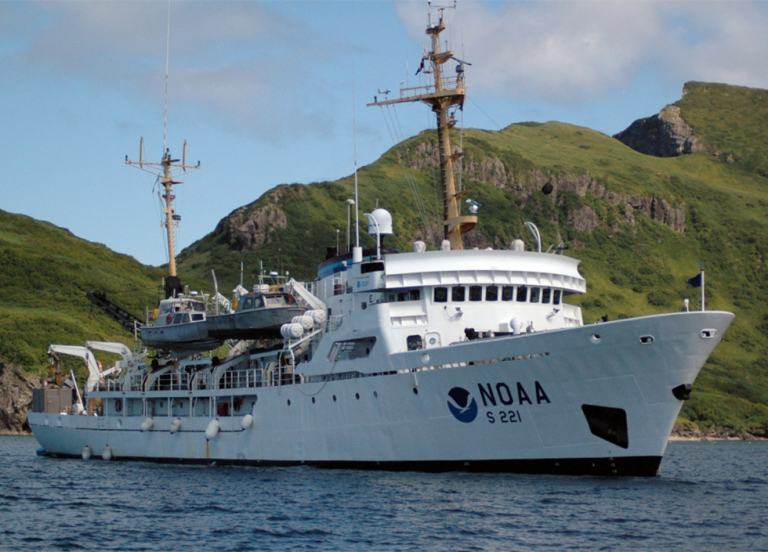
column 166, row 170
column 444, row 93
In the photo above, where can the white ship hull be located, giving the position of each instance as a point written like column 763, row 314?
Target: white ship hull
column 400, row 415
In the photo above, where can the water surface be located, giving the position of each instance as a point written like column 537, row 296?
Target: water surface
column 710, row 496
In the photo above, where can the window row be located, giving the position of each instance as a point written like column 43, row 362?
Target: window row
column 521, row 294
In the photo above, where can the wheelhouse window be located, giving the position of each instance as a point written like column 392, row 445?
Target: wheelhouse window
column 492, row 293
column 557, row 297
column 522, row 294
column 507, row 292
column 458, row 293
column 441, row 295
column 546, row 295
column 535, row 294
column 475, row 293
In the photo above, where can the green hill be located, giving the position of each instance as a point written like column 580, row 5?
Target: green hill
column 45, row 272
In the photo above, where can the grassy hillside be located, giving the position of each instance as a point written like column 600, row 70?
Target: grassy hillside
column 45, row 272
column 640, row 224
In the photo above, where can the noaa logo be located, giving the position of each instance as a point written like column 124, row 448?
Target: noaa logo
column 460, row 405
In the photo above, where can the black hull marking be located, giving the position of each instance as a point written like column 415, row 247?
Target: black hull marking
column 630, row 466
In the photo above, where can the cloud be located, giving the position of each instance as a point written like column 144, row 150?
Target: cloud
column 240, row 64
column 570, row 52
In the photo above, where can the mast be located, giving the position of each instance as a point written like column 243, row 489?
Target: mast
column 441, row 96
column 166, row 170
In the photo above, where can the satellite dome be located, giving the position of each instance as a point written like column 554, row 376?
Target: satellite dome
column 384, row 219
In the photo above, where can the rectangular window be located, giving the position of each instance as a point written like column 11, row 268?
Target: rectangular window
column 475, row 293
column 558, row 295
column 522, row 294
column 535, row 294
column 507, row 292
column 441, row 295
column 351, row 349
column 492, row 293
column 408, row 295
column 458, row 293
column 414, row 342
column 365, row 268
column 546, row 295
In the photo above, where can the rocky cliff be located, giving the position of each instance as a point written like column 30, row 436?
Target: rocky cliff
column 492, row 170
column 662, row 135
column 15, row 399
column 667, row 134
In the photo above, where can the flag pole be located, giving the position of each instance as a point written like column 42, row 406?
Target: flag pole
column 702, row 290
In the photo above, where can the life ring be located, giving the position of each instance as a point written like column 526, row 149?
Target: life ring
column 118, row 405
column 169, row 319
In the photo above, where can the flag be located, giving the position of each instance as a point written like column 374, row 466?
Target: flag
column 695, row 281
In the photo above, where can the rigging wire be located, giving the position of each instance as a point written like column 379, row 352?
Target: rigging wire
column 407, row 170
column 484, row 113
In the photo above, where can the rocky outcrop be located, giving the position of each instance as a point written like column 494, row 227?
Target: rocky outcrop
column 15, row 400
column 584, row 219
column 248, row 231
column 662, row 135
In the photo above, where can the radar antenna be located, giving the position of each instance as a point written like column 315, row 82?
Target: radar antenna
column 168, row 169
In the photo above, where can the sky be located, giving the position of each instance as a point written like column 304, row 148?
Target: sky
column 274, row 92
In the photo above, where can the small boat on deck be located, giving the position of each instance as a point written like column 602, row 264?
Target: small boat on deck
column 258, row 315
column 181, row 324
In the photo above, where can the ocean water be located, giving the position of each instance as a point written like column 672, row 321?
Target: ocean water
column 710, row 496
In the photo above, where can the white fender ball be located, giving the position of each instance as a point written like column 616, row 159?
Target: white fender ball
column 247, row 421
column 213, row 429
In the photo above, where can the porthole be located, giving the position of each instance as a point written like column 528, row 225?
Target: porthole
column 415, row 390
column 313, row 400
column 289, row 402
column 357, row 396
column 375, row 395
column 334, row 398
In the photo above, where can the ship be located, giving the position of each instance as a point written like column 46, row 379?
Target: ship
column 431, row 360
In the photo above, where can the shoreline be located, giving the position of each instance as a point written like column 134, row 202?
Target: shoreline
column 704, row 438
column 746, row 437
